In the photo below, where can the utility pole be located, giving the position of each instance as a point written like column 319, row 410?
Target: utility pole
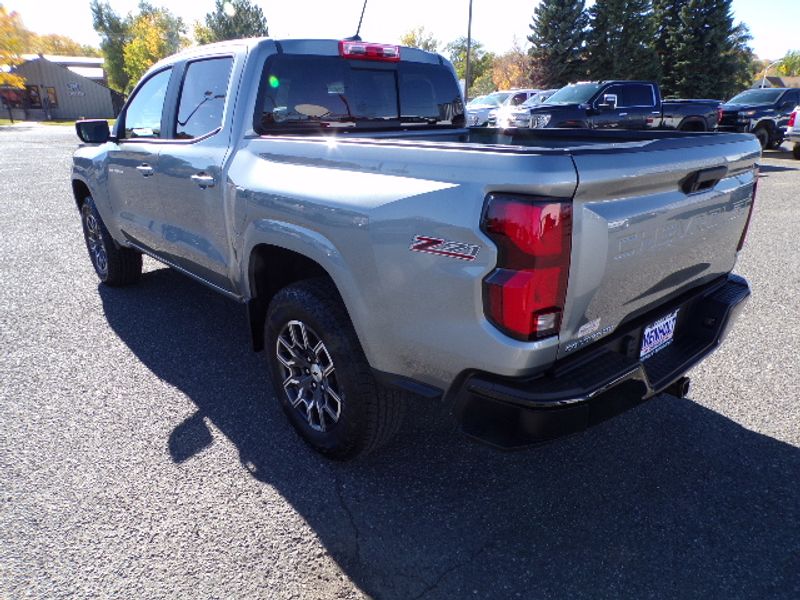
column 469, row 48
column 763, row 79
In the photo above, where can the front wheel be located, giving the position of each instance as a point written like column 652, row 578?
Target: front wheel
column 321, row 376
column 762, row 135
column 114, row 265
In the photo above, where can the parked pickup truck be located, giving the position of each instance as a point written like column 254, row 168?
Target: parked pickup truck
column 792, row 132
column 620, row 105
column 538, row 281
column 762, row 112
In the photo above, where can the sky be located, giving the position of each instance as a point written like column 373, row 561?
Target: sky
column 496, row 23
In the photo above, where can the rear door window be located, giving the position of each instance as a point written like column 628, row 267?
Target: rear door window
column 205, row 85
column 637, row 94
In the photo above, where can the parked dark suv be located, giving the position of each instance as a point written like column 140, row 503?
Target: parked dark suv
column 764, row 112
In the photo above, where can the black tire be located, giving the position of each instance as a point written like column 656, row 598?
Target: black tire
column 796, row 151
column 114, row 265
column 763, row 136
column 368, row 415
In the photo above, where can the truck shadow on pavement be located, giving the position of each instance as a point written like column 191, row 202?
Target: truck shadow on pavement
column 669, row 500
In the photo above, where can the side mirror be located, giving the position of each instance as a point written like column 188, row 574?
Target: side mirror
column 93, row 131
column 609, row 102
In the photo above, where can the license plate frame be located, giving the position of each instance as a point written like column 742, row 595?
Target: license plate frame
column 658, row 335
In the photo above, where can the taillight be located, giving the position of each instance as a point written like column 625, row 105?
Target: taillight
column 720, row 112
column 524, row 296
column 749, row 214
column 792, row 118
column 368, row 51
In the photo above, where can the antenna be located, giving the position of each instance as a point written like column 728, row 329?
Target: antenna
column 356, row 37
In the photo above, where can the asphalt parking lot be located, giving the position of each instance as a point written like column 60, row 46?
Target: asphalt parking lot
column 142, row 455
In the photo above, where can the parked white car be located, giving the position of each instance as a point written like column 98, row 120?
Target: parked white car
column 520, row 116
column 478, row 114
column 792, row 133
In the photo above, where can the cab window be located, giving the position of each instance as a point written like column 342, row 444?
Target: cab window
column 143, row 115
column 202, row 98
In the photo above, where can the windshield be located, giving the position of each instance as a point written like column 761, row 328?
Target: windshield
column 476, row 101
column 496, row 99
column 756, row 97
column 577, row 93
column 303, row 91
column 536, row 99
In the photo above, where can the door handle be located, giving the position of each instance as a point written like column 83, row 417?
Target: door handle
column 623, row 114
column 145, row 169
column 204, row 180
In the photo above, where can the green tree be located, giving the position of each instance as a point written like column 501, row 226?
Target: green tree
column 231, row 20
column 114, row 32
column 480, row 60
column 702, row 53
column 712, row 55
column 620, row 40
column 790, row 65
column 154, row 34
column 12, row 43
column 558, row 34
column 420, row 38
column 667, row 26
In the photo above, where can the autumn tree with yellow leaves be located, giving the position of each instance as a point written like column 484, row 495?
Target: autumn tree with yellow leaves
column 12, row 45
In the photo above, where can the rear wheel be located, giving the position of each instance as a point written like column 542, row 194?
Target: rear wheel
column 321, row 376
column 796, row 151
column 114, row 265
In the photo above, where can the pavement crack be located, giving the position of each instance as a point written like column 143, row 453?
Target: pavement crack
column 356, row 558
column 452, row 568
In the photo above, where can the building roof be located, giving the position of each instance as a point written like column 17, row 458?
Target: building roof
column 778, row 82
column 88, row 61
column 90, row 67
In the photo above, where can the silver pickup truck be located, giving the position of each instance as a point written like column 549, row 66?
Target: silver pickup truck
column 539, row 281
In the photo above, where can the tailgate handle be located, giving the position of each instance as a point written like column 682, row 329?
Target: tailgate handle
column 702, row 180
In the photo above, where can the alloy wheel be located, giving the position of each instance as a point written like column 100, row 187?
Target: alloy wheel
column 309, row 376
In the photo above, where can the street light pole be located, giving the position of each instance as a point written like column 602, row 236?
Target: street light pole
column 764, row 79
column 469, row 48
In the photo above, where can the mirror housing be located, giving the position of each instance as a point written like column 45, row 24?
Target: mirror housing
column 609, row 102
column 93, row 131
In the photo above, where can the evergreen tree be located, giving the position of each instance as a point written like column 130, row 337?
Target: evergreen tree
column 620, row 40
column 666, row 21
column 558, row 35
column 232, row 19
column 702, row 53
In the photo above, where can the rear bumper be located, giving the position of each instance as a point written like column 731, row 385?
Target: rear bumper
column 601, row 381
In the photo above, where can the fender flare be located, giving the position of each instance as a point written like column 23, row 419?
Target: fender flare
column 314, row 246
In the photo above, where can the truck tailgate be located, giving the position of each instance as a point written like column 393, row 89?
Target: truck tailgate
column 650, row 222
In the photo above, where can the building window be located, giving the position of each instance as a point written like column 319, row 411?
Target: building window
column 52, row 97
column 34, row 99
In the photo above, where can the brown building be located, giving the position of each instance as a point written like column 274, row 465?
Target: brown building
column 62, row 87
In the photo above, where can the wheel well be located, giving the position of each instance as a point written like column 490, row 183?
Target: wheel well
column 270, row 270
column 81, row 191
column 766, row 124
column 693, row 125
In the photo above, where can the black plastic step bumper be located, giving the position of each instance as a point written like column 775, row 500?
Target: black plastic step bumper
column 601, row 381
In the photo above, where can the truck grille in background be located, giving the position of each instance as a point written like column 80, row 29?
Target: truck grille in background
column 729, row 118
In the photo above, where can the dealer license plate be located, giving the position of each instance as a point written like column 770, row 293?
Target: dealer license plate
column 658, row 335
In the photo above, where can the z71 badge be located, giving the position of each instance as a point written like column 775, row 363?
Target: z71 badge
column 432, row 245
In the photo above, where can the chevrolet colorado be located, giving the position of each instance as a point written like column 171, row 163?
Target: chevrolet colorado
column 620, row 105
column 540, row 281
